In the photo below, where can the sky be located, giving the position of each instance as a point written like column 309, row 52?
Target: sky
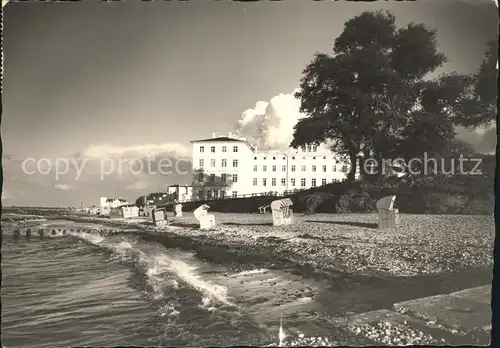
column 84, row 80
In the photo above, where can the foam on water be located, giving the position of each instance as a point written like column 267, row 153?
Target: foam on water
column 157, row 265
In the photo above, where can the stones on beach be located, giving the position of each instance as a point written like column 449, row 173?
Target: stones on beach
column 53, row 232
column 16, row 233
column 393, row 334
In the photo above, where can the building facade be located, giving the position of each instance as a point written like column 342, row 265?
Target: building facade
column 226, row 166
column 183, row 193
column 110, row 203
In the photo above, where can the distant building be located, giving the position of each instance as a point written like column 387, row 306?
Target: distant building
column 183, row 193
column 226, row 166
column 129, row 211
column 109, row 203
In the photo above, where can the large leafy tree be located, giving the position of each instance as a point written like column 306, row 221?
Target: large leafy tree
column 372, row 95
column 485, row 90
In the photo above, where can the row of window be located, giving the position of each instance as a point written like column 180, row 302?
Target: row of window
column 293, row 158
column 308, row 148
column 223, row 163
column 223, row 178
column 224, row 149
column 303, row 182
column 344, row 167
column 215, row 194
column 303, row 168
column 264, row 181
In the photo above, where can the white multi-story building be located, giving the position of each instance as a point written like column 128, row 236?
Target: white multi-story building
column 226, row 166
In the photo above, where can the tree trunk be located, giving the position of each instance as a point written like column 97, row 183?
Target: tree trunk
column 353, row 158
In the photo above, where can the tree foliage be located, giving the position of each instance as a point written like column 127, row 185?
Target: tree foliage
column 373, row 95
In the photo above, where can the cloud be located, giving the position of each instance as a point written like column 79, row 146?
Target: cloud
column 63, row 187
column 5, row 195
column 139, row 185
column 482, row 139
column 269, row 125
column 129, row 172
column 135, row 151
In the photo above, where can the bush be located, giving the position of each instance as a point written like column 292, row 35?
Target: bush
column 356, row 202
column 312, row 202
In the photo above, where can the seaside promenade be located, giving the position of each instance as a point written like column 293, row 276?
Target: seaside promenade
column 461, row 317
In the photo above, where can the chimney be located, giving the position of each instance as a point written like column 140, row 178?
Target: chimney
column 213, row 135
column 230, row 134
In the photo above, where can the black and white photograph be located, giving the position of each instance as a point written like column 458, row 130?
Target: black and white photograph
column 248, row 173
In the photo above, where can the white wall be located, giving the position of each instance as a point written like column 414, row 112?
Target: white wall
column 251, row 166
column 219, row 163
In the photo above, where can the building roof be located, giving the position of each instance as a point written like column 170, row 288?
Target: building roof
column 216, row 139
column 223, row 139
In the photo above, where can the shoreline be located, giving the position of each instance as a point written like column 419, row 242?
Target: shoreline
column 307, row 250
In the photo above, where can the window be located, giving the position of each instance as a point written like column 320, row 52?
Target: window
column 303, row 168
column 255, row 168
column 315, row 148
column 222, row 194
column 264, row 157
column 235, row 177
column 314, row 168
column 212, row 149
column 283, row 182
column 200, row 177
column 202, row 163
column 254, row 181
column 292, row 181
column 264, row 168
column 216, row 194
column 209, row 194
column 223, row 177
column 284, row 158
column 293, row 168
column 202, row 148
column 324, row 157
column 273, row 182
column 235, row 163
column 324, row 168
column 314, row 158
column 344, row 168
column 323, row 182
column 313, row 182
column 303, row 182
column 235, row 148
column 293, row 157
column 235, row 194
column 212, row 163
column 264, row 182
column 334, row 168
column 274, row 168
column 255, row 158
column 201, row 194
column 224, row 163
column 274, row 158
column 283, row 168
column 212, row 177
column 224, row 149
